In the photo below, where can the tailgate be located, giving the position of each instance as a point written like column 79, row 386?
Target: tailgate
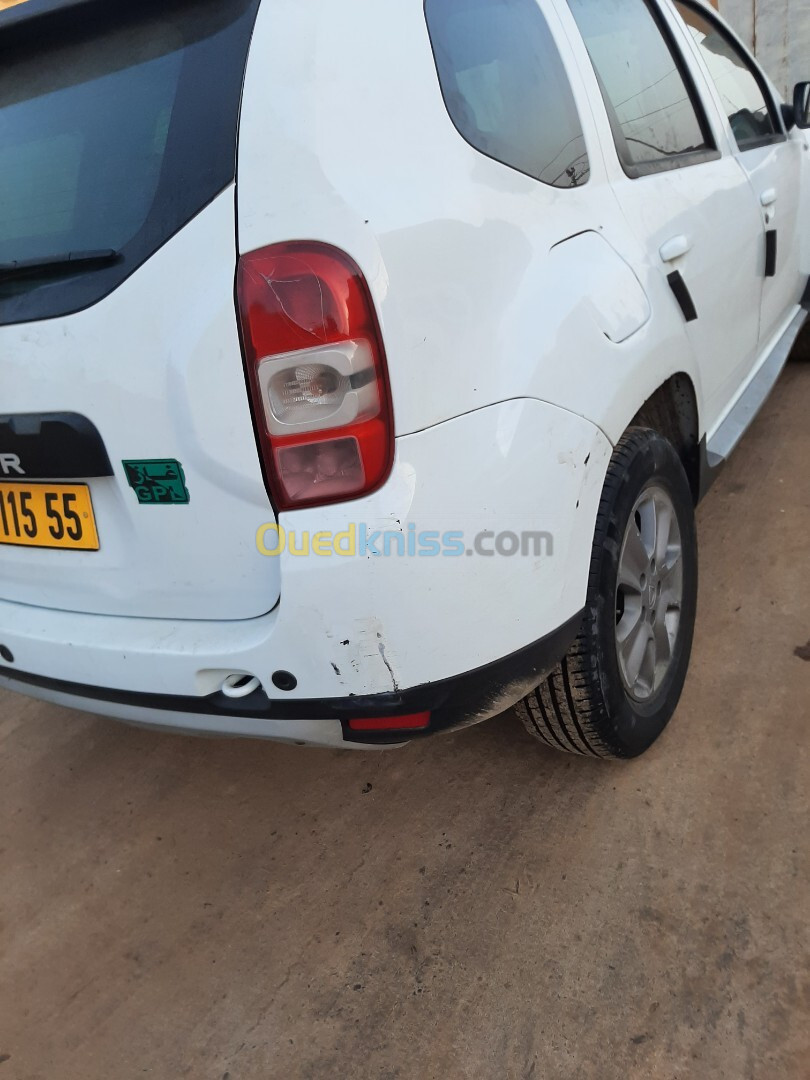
column 156, row 369
column 129, row 480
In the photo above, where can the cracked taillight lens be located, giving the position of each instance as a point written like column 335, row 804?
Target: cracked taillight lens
column 317, row 374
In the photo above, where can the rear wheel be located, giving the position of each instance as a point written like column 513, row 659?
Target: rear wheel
column 616, row 689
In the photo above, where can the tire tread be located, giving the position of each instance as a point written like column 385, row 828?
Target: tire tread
column 567, row 709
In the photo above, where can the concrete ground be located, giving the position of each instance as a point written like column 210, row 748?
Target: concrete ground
column 473, row 906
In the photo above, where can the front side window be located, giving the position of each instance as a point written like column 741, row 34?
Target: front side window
column 651, row 104
column 744, row 98
column 505, row 86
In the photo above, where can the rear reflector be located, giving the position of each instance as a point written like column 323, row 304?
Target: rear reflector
column 317, row 374
column 414, row 722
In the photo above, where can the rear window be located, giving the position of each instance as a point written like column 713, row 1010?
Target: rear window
column 118, row 124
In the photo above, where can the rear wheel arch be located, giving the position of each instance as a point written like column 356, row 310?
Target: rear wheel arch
column 595, row 702
column 672, row 410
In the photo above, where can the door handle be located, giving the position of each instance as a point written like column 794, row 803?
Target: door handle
column 674, row 248
column 768, row 197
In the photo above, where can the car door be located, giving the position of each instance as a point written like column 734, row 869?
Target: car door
column 680, row 187
column 770, row 159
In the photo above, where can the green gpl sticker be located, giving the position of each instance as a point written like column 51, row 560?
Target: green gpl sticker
column 158, row 481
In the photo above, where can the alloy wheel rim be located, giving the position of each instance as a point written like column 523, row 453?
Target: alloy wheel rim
column 649, row 594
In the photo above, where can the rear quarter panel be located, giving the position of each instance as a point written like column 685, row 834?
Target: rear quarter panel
column 345, row 138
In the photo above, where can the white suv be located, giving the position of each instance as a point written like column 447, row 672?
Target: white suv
column 363, row 362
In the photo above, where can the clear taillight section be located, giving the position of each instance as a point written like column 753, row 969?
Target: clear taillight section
column 317, row 374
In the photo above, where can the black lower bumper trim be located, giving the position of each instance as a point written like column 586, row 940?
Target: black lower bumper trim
column 455, row 702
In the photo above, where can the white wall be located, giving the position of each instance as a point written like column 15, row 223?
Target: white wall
column 779, row 31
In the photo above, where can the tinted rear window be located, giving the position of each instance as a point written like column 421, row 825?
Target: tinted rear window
column 116, row 127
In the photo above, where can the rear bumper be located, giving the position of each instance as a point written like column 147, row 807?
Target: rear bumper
column 452, row 703
column 460, row 632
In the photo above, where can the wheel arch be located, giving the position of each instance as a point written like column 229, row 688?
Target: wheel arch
column 672, row 410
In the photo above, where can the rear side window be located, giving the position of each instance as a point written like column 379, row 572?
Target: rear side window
column 657, row 120
column 741, row 90
column 117, row 125
column 505, row 86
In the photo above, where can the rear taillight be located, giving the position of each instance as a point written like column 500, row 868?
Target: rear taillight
column 317, row 374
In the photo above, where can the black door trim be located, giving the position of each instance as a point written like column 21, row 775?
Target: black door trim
column 770, row 252
column 682, row 295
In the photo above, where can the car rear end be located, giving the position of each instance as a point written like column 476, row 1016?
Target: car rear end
column 194, row 363
column 130, row 488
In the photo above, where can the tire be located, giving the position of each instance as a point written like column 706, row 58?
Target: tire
column 591, row 704
column 801, row 348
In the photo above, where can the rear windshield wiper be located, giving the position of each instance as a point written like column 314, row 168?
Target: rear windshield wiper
column 63, row 263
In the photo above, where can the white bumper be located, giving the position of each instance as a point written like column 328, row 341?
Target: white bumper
column 365, row 625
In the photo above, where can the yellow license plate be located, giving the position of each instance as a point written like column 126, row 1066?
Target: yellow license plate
column 48, row 516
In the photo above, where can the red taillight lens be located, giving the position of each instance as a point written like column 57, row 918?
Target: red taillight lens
column 414, row 722
column 317, row 374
